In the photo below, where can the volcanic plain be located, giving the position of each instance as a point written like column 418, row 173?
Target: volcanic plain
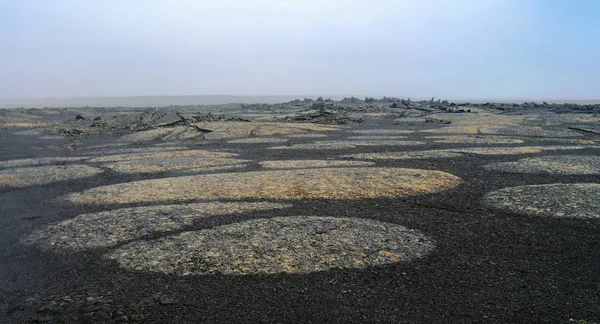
column 377, row 210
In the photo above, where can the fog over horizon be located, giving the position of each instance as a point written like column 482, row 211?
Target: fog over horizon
column 456, row 50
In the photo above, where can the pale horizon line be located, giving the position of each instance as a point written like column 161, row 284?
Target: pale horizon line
column 299, row 96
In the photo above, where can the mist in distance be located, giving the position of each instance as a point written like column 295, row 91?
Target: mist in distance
column 80, row 51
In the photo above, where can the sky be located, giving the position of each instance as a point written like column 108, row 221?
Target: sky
column 455, row 49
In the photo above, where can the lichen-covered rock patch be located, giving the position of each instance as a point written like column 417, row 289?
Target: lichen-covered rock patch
column 257, row 140
column 303, row 164
column 296, row 244
column 336, row 145
column 109, row 228
column 162, row 155
column 563, row 165
column 41, row 175
column 576, row 200
column 154, row 165
column 327, row 183
column 451, row 153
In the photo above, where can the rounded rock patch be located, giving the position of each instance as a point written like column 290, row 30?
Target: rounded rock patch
column 383, row 131
column 334, row 145
column 257, row 140
column 529, row 131
column 162, row 155
column 577, row 200
column 41, row 175
column 224, row 130
column 475, row 140
column 562, row 165
column 513, row 150
column 39, row 161
column 124, row 151
column 521, row 131
column 175, row 164
column 326, row 183
column 303, row 164
column 554, row 140
column 176, row 133
column 296, row 244
column 376, row 137
column 451, row 153
column 109, row 228
column 30, row 132
column 330, row 145
column 308, row 135
column 408, row 155
column 453, row 130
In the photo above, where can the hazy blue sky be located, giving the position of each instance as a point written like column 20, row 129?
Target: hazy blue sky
column 449, row 49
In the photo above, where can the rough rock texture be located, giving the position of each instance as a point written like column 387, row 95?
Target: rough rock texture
column 302, row 164
column 329, row 183
column 39, row 161
column 564, row 164
column 41, row 175
column 109, row 228
column 476, row 139
column 257, row 140
column 232, row 130
column 160, row 154
column 320, row 114
column 450, row 153
column 296, row 244
column 578, row 200
column 152, row 165
column 334, row 145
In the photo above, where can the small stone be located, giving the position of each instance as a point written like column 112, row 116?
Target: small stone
column 120, row 316
column 166, row 300
column 136, row 317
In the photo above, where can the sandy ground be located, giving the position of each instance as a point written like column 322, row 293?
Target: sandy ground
column 454, row 235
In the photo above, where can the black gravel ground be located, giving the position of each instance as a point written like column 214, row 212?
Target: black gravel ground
column 487, row 266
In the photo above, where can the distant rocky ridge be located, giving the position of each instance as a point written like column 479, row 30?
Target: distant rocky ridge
column 140, row 101
column 349, row 110
column 195, row 100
